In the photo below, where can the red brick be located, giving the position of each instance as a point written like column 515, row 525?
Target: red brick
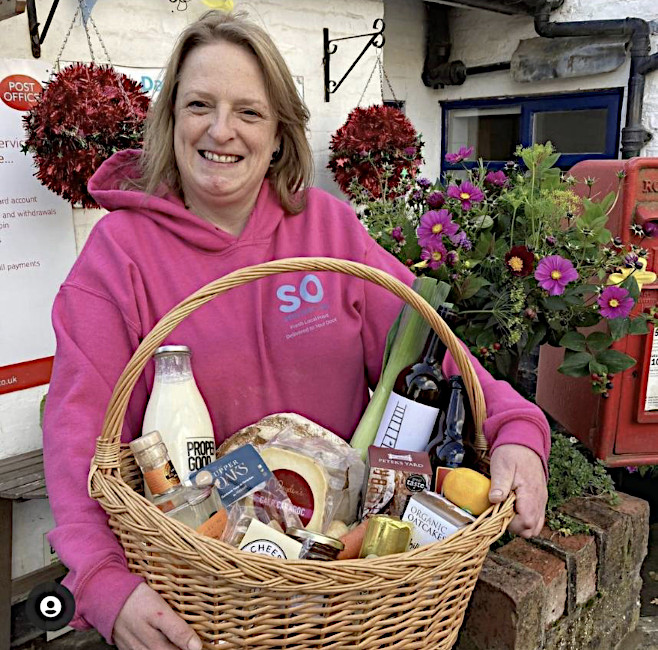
column 621, row 533
column 552, row 570
column 580, row 552
column 505, row 612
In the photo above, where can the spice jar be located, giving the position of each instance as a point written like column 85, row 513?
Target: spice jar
column 164, row 486
column 316, row 546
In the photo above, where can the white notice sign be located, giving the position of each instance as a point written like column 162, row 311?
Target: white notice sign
column 37, row 239
column 651, row 402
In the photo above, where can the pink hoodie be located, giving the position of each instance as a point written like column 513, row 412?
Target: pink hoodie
column 256, row 350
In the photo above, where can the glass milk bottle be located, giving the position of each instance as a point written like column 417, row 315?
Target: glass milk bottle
column 177, row 410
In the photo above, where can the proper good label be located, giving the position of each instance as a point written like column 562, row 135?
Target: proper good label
column 406, row 424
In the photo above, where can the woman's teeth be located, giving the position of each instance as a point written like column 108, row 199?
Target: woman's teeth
column 209, row 155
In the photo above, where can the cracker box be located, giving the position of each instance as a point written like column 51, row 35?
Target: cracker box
column 392, row 477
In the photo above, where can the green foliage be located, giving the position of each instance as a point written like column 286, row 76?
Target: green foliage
column 572, row 474
column 511, row 222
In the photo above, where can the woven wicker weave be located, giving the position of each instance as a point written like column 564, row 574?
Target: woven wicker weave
column 233, row 599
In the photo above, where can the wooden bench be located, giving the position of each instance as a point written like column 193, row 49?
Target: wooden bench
column 21, row 478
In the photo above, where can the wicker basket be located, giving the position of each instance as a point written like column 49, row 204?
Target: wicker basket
column 233, row 599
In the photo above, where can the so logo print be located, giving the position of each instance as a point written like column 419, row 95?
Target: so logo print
column 310, row 290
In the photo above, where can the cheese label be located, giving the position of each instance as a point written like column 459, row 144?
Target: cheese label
column 264, row 540
column 298, row 491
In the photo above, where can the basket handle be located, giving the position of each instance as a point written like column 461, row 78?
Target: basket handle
column 108, row 444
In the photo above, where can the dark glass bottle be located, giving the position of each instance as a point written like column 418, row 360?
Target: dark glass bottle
column 417, row 399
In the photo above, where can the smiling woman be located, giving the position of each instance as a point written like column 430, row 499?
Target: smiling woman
column 225, row 134
column 222, row 184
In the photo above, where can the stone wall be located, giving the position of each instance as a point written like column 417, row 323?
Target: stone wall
column 563, row 593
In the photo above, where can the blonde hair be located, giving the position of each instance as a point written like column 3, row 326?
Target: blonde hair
column 291, row 169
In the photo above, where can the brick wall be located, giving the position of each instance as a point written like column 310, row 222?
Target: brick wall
column 559, row 593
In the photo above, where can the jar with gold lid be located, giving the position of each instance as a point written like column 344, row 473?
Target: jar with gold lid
column 316, row 546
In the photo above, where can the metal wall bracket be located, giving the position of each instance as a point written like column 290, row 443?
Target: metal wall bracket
column 37, row 39
column 376, row 40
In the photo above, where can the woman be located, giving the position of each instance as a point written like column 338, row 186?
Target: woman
column 219, row 186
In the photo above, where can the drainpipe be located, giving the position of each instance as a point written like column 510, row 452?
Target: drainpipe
column 633, row 136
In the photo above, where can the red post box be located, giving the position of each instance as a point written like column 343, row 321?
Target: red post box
column 622, row 429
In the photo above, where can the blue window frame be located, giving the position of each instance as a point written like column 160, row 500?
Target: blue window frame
column 536, row 114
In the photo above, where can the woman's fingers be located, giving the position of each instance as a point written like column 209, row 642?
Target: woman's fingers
column 518, row 468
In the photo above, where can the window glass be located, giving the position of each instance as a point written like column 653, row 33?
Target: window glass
column 576, row 131
column 492, row 132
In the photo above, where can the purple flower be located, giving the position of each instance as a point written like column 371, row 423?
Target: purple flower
column 396, row 233
column 424, row 183
column 496, row 178
column 410, row 151
column 417, row 195
column 467, row 193
column 630, row 259
column 434, row 225
column 461, row 239
column 550, row 240
column 631, row 469
column 554, row 273
column 452, row 257
column 462, row 154
column 435, row 200
column 435, row 254
column 651, row 229
column 615, row 302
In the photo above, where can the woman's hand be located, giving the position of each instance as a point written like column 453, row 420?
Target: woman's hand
column 146, row 622
column 518, row 468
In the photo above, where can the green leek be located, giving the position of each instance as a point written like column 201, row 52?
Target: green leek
column 404, row 345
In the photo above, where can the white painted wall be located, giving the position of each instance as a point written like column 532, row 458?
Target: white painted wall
column 483, row 37
column 141, row 33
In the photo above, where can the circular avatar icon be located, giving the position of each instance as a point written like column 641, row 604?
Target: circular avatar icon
column 50, row 606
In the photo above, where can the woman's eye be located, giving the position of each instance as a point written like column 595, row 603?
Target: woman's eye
column 196, row 104
column 250, row 112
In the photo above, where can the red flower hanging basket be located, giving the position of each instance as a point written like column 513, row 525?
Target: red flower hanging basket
column 370, row 152
column 85, row 114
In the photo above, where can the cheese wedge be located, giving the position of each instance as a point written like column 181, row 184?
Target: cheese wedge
column 305, row 482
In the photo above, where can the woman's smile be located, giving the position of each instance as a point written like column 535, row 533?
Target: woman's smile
column 225, row 133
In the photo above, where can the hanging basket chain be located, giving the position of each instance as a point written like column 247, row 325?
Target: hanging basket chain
column 83, row 10
column 66, row 39
column 382, row 76
column 372, row 72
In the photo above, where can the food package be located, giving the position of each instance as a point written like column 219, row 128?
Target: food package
column 313, row 472
column 392, row 477
column 260, row 433
column 248, row 490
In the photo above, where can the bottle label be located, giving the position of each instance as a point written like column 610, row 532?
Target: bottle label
column 200, row 452
column 161, row 478
column 406, row 424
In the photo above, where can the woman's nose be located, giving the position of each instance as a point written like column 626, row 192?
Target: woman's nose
column 221, row 127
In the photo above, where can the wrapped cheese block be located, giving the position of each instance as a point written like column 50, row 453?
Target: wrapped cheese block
column 350, row 474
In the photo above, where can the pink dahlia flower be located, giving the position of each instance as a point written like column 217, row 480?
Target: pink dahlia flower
column 615, row 302
column 467, row 193
column 554, row 273
column 462, row 154
column 434, row 225
column 435, row 254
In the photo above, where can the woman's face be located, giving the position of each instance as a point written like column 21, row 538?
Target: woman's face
column 224, row 130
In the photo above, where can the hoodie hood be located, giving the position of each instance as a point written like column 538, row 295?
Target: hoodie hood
column 169, row 212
